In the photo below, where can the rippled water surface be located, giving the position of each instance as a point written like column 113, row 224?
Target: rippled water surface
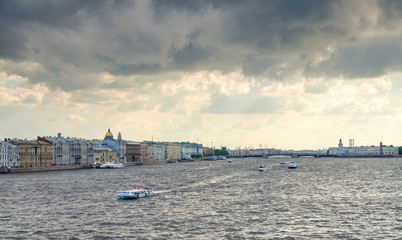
column 322, row 199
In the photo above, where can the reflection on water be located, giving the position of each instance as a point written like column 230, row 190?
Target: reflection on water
column 322, row 198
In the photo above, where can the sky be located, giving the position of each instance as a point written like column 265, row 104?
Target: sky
column 274, row 74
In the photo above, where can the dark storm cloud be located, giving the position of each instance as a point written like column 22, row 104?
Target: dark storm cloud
column 17, row 17
column 368, row 60
column 273, row 40
column 188, row 56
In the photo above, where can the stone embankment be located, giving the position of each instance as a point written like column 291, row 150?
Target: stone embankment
column 75, row 167
column 45, row 169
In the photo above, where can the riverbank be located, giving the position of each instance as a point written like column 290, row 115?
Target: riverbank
column 70, row 167
column 77, row 167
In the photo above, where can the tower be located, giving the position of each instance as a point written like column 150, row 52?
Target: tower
column 340, row 145
column 381, row 152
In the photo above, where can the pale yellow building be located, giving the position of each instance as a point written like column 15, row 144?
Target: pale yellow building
column 104, row 154
column 172, row 151
column 34, row 153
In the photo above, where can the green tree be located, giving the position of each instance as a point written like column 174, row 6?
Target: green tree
column 221, row 152
column 400, row 151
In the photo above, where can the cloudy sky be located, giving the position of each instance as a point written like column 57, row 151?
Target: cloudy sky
column 278, row 74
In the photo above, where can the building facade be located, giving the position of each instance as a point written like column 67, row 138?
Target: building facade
column 188, row 149
column 362, row 151
column 119, row 145
column 34, row 153
column 151, row 153
column 133, row 151
column 9, row 155
column 159, row 152
column 68, row 151
column 172, row 151
column 103, row 154
column 144, row 153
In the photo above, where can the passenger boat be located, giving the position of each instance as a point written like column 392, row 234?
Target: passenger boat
column 261, row 168
column 292, row 165
column 135, row 193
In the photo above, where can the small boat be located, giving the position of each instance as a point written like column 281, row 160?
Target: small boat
column 261, row 168
column 229, row 161
column 292, row 165
column 282, row 163
column 220, row 158
column 111, row 165
column 212, row 158
column 135, row 193
column 187, row 170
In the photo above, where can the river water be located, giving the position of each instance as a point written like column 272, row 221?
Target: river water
column 323, row 198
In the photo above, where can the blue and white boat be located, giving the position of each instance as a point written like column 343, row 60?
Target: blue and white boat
column 261, row 168
column 292, row 165
column 135, row 193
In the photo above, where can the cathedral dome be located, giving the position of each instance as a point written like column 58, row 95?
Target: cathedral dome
column 109, row 134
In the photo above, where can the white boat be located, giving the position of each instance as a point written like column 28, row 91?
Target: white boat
column 187, row 170
column 229, row 161
column 292, row 165
column 261, row 168
column 111, row 165
column 135, row 193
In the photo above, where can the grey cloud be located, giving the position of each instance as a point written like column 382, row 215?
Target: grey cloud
column 368, row 60
column 255, row 66
column 134, row 69
column 72, row 40
column 18, row 18
column 188, row 56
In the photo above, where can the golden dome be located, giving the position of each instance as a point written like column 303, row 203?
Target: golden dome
column 109, row 134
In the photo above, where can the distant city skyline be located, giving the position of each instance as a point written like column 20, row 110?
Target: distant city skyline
column 280, row 74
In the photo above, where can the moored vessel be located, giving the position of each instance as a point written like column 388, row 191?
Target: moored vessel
column 111, row 165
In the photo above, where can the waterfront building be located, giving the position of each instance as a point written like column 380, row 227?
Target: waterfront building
column 119, row 145
column 9, row 155
column 159, row 152
column 373, row 150
column 208, row 151
column 188, row 149
column 133, row 151
column 150, row 153
column 34, row 152
column 68, row 151
column 172, row 151
column 144, row 152
column 104, row 154
column 363, row 150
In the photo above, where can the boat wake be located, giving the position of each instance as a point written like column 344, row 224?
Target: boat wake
column 162, row 191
